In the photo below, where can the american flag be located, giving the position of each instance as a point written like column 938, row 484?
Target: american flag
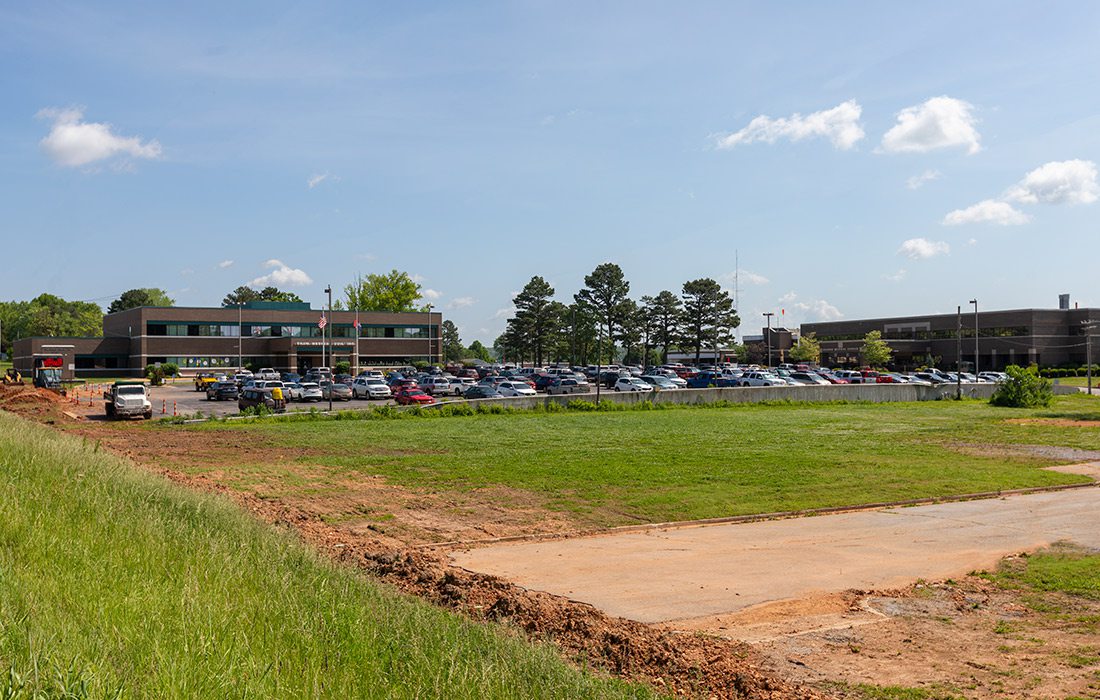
column 322, row 323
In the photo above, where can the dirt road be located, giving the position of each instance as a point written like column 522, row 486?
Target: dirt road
column 696, row 572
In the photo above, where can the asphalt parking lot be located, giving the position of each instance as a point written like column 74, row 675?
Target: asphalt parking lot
column 184, row 400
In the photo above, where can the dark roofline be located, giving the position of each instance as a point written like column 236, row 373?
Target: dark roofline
column 950, row 315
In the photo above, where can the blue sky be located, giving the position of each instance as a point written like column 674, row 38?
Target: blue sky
column 863, row 159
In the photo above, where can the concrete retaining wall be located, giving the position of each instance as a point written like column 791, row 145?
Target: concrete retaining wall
column 874, row 393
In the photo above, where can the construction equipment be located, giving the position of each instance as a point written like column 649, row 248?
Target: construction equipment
column 12, row 377
column 47, row 373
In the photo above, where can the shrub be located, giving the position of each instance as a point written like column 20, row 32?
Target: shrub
column 342, row 367
column 581, row 405
column 1024, row 388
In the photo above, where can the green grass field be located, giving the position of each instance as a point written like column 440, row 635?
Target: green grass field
column 114, row 583
column 677, row 464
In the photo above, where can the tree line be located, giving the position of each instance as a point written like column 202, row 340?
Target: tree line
column 603, row 323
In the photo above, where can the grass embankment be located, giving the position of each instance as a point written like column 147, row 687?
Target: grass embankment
column 113, row 582
column 676, row 464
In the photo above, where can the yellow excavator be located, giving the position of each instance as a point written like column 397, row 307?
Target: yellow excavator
column 12, row 376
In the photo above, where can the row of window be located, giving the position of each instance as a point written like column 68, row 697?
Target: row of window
column 292, row 331
column 1001, row 332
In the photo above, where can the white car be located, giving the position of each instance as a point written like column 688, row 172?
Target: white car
column 436, row 385
column 459, row 385
column 371, row 374
column 632, row 384
column 659, row 382
column 311, row 391
column 267, row 373
column 370, row 388
column 760, row 379
column 515, row 388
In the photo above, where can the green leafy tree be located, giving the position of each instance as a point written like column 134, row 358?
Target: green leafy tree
column 478, row 351
column 708, row 315
column 393, row 292
column 875, row 352
column 1024, row 388
column 243, row 295
column 537, row 316
column 807, row 349
column 752, row 353
column 452, row 342
column 146, row 296
column 664, row 312
column 606, row 293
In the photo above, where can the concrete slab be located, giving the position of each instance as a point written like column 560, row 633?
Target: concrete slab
column 692, row 572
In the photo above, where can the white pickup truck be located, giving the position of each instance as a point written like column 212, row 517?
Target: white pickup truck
column 127, row 400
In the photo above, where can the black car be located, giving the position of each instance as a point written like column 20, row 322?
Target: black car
column 544, row 380
column 481, row 391
column 255, row 397
column 222, row 391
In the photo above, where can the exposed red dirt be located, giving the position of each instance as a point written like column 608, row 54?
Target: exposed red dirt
column 678, row 664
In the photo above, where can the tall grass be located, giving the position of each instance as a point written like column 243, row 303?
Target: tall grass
column 114, row 583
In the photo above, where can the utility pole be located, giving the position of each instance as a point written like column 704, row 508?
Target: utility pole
column 959, row 352
column 332, row 377
column 768, row 336
column 975, row 303
column 1089, row 327
column 240, row 337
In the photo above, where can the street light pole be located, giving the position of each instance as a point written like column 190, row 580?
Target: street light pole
column 599, row 353
column 429, row 337
column 240, row 337
column 768, row 336
column 959, row 352
column 975, row 303
column 332, row 377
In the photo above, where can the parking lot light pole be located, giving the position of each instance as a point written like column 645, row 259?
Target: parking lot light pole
column 959, row 352
column 1089, row 327
column 768, row 336
column 430, row 337
column 332, row 378
column 240, row 336
column 975, row 303
column 599, row 353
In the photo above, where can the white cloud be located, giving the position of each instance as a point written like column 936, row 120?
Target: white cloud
column 73, row 142
column 186, row 271
column 972, row 241
column 318, row 178
column 224, row 264
column 281, row 275
column 987, row 211
column 922, row 248
column 897, row 276
column 461, row 302
column 839, row 124
column 506, row 312
column 941, row 122
column 811, row 309
column 819, row 310
column 430, row 294
column 917, row 181
column 752, row 278
column 1058, row 182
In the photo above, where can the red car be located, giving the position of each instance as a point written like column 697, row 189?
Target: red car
column 411, row 396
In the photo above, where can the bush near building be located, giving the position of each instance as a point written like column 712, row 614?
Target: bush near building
column 1024, row 388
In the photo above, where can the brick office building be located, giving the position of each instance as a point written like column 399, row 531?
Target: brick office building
column 1046, row 337
column 285, row 336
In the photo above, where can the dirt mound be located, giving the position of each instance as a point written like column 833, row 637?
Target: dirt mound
column 32, row 402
